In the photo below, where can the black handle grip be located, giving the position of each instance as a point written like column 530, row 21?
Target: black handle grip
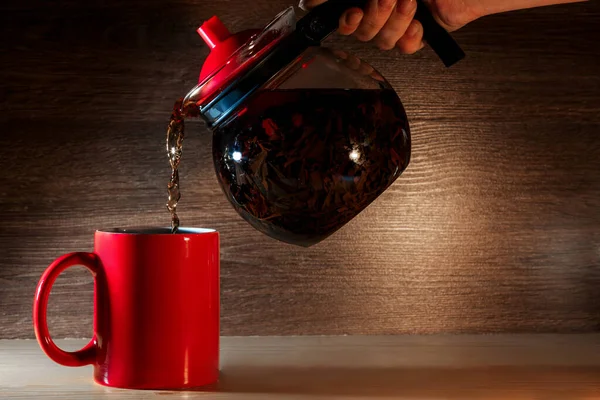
column 437, row 37
column 324, row 19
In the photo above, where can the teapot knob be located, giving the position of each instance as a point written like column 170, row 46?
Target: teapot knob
column 222, row 44
column 213, row 32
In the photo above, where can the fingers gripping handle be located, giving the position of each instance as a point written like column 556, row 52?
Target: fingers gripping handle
column 85, row 356
column 323, row 20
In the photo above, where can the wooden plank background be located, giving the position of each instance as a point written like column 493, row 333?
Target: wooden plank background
column 494, row 227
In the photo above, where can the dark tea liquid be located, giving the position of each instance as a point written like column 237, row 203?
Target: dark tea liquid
column 299, row 164
column 175, row 133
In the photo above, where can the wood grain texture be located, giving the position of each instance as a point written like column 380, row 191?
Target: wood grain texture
column 494, row 227
column 376, row 367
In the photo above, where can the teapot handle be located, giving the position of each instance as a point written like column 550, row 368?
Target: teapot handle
column 323, row 20
column 437, row 37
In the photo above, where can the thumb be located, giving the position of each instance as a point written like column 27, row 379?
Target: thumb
column 308, row 4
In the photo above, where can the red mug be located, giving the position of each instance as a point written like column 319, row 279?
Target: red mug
column 156, row 308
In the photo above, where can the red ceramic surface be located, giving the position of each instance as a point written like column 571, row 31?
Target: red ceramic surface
column 156, row 309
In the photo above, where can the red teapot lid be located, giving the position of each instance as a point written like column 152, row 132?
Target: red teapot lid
column 222, row 44
column 233, row 55
column 240, row 64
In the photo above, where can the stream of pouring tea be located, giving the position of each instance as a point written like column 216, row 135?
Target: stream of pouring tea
column 175, row 133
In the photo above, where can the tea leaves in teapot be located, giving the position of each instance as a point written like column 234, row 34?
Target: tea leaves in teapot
column 299, row 164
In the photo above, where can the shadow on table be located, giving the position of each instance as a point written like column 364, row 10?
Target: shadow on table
column 464, row 383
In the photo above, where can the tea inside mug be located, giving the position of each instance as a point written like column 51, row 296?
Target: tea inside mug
column 156, row 231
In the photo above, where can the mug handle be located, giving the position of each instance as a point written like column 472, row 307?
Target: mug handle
column 86, row 355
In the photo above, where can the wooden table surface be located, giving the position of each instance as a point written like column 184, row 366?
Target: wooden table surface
column 347, row 367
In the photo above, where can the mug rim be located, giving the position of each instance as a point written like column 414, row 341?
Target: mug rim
column 156, row 230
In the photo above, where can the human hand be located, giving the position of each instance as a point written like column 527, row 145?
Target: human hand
column 391, row 24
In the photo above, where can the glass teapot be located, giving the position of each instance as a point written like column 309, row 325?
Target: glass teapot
column 304, row 137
